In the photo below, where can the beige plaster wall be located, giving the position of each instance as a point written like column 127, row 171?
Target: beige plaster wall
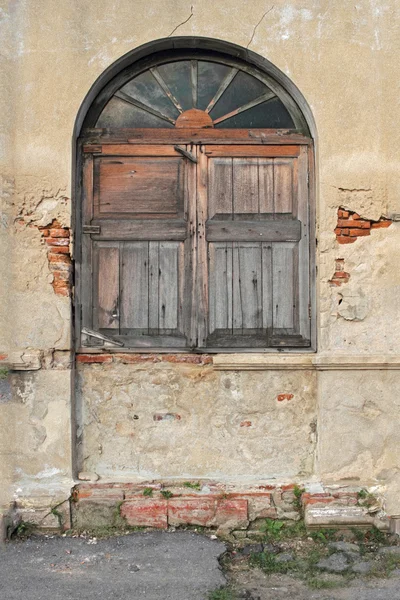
column 343, row 56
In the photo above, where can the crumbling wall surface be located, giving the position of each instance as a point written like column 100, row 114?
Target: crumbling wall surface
column 343, row 56
column 169, row 420
column 358, row 431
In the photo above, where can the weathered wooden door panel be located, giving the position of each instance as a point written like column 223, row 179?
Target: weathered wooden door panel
column 198, row 246
column 140, row 246
column 256, row 236
column 133, row 186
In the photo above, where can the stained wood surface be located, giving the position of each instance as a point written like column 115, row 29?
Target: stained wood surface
column 213, row 254
column 151, row 185
column 99, row 139
column 254, row 231
column 141, row 229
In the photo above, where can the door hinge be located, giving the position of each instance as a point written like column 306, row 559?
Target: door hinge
column 91, row 229
column 309, row 311
column 186, row 153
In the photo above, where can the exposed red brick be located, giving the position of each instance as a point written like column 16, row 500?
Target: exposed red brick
column 191, row 511
column 136, row 358
column 351, row 224
column 58, row 250
column 193, row 359
column 381, row 223
column 246, row 424
column 59, row 258
column 145, row 512
column 345, row 240
column 94, row 358
column 231, row 511
column 282, row 397
column 3, row 356
column 57, row 241
column 59, row 233
column 359, row 232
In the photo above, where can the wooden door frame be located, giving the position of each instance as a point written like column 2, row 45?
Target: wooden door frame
column 92, row 143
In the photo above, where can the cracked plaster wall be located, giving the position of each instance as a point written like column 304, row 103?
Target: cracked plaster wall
column 343, row 58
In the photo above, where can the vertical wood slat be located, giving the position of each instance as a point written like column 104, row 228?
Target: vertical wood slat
column 283, row 185
column 247, row 286
column 245, row 185
column 154, row 279
column 303, row 246
column 107, row 303
column 267, row 297
column 266, row 185
column 202, row 266
column 220, row 198
column 87, row 270
column 220, row 284
column 189, row 293
column 168, row 285
column 134, row 286
column 283, row 285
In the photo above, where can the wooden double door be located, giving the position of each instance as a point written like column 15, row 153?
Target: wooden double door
column 197, row 246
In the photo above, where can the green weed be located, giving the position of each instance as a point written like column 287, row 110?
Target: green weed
column 191, row 485
column 148, row 491
column 166, row 494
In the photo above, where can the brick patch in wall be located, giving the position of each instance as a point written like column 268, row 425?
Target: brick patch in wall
column 57, row 240
column 207, row 504
column 340, row 275
column 127, row 359
column 350, row 226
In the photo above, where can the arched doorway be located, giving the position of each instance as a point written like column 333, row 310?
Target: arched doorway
column 195, row 222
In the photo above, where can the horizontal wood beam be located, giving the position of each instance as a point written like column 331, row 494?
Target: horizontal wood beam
column 141, row 229
column 285, row 230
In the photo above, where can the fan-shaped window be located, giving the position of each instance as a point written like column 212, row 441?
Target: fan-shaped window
column 201, row 93
column 195, row 215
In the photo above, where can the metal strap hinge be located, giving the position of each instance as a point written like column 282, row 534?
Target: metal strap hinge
column 186, row 153
column 91, row 229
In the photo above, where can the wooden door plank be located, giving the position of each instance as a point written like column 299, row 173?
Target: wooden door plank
column 283, row 230
column 250, row 283
column 266, row 185
column 220, row 198
column 267, row 286
column 107, row 303
column 220, row 287
column 283, row 186
column 135, row 286
column 245, row 185
column 154, row 277
column 304, row 282
column 283, row 285
column 138, row 150
column 168, row 285
column 141, row 229
column 86, row 271
column 251, row 151
column 202, row 271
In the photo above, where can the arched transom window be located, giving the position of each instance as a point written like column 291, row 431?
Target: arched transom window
column 195, row 215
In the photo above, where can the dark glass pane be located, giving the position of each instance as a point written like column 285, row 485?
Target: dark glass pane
column 177, row 76
column 242, row 90
column 271, row 114
column 210, row 77
column 147, row 90
column 118, row 113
